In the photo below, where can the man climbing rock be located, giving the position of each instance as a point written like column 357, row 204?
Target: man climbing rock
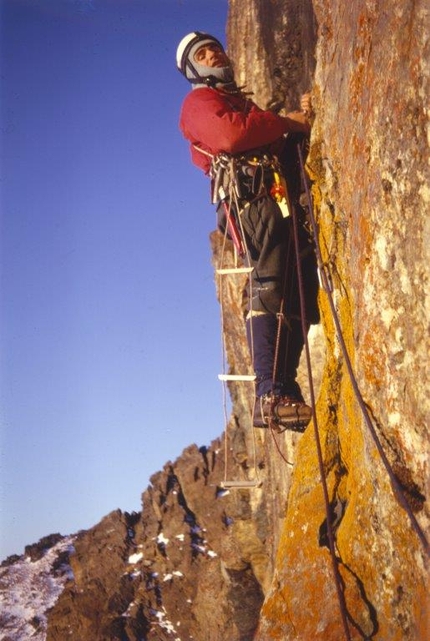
column 250, row 155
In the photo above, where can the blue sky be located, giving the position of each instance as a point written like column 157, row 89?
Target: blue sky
column 109, row 323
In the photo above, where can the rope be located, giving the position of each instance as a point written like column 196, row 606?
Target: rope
column 283, row 457
column 330, row 533
column 229, row 214
column 325, row 279
column 280, row 317
column 223, row 358
column 233, row 198
column 338, row 580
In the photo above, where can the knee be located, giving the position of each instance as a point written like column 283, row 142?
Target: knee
column 266, row 298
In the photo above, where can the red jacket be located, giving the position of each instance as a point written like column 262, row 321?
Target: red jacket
column 216, row 121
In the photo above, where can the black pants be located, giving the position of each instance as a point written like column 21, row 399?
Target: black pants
column 274, row 327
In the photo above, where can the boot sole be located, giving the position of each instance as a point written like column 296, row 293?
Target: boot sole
column 282, row 425
column 295, row 417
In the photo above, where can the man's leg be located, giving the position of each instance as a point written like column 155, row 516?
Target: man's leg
column 275, row 342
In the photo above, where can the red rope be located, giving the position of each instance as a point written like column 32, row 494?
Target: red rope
column 330, row 533
column 326, row 285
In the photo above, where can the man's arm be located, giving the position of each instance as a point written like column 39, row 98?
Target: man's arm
column 208, row 118
column 298, row 122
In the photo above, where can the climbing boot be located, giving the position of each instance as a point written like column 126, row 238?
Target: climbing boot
column 281, row 413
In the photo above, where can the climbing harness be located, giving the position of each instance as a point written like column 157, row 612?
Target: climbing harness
column 245, row 177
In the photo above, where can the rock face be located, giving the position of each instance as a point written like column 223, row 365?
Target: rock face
column 272, row 45
column 207, row 564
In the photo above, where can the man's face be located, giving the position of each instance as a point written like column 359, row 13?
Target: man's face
column 211, row 55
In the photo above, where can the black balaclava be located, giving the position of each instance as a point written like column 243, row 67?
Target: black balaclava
column 201, row 75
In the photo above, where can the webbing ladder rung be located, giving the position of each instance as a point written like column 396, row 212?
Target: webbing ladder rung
column 239, row 485
column 236, row 377
column 234, row 270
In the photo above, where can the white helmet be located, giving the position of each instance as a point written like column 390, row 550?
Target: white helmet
column 194, row 72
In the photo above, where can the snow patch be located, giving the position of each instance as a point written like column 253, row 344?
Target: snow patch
column 135, row 558
column 164, row 623
column 161, row 539
column 135, row 574
column 29, row 589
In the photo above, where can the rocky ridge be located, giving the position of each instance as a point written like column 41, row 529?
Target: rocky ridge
column 30, row 585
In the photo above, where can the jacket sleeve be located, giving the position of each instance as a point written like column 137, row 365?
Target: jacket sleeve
column 208, row 118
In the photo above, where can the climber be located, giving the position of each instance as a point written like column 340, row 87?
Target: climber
column 226, row 129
